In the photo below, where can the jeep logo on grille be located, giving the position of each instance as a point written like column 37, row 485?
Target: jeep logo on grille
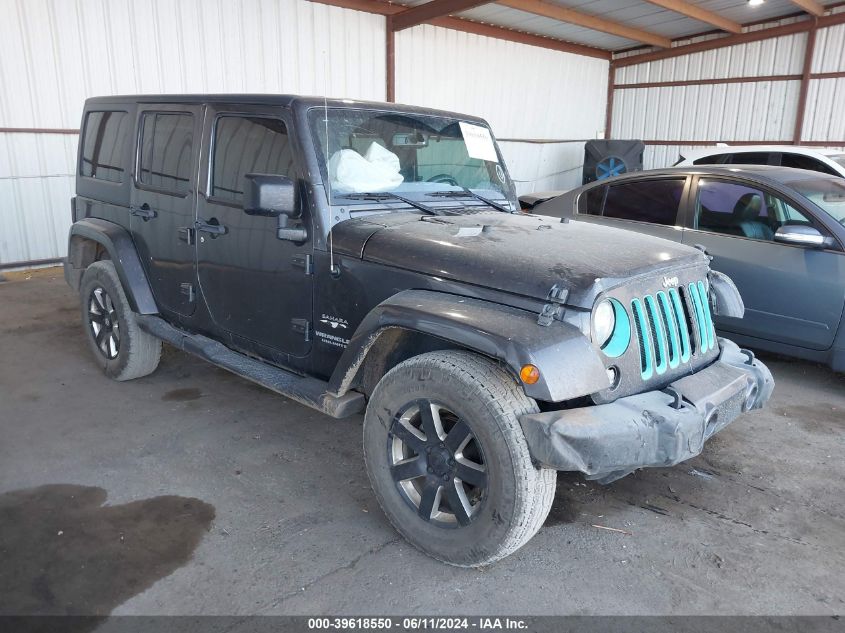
column 670, row 282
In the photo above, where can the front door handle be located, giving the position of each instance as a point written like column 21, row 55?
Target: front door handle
column 212, row 227
column 144, row 212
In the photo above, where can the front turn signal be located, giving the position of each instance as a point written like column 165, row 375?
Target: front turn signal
column 529, row 374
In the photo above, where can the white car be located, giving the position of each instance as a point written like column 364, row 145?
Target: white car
column 827, row 161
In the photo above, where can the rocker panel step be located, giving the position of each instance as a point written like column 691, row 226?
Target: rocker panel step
column 305, row 390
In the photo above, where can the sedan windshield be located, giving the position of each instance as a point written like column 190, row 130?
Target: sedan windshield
column 829, row 194
column 422, row 158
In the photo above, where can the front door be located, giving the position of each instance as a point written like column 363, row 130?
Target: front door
column 163, row 202
column 256, row 286
column 792, row 294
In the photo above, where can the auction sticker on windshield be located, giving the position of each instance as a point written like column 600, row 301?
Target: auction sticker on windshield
column 479, row 142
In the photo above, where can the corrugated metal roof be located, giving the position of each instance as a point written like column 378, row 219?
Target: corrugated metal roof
column 638, row 14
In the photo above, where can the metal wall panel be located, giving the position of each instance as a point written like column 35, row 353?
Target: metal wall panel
column 776, row 56
column 731, row 112
column 523, row 91
column 56, row 53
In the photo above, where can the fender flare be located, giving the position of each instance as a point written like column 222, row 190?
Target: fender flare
column 569, row 365
column 118, row 243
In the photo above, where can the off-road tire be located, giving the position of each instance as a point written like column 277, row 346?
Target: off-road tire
column 139, row 353
column 518, row 495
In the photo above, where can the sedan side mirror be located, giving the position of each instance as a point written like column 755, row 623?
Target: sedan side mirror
column 800, row 235
column 270, row 196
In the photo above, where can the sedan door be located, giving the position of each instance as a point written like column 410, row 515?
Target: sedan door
column 791, row 293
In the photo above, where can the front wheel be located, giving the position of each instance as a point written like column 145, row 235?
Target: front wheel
column 448, row 460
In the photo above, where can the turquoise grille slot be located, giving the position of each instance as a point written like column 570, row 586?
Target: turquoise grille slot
column 708, row 317
column 658, row 334
column 644, row 339
column 681, row 322
column 699, row 316
column 669, row 323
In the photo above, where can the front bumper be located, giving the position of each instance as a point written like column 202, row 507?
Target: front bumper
column 655, row 428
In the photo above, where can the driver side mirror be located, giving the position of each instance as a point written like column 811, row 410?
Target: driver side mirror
column 270, row 195
column 799, row 235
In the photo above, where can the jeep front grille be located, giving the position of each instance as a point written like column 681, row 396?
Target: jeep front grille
column 671, row 327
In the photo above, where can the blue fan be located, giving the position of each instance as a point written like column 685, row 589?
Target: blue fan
column 610, row 166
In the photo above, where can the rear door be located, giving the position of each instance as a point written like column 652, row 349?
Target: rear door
column 654, row 206
column 791, row 293
column 162, row 208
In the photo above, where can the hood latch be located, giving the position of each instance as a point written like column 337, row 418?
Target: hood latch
column 554, row 308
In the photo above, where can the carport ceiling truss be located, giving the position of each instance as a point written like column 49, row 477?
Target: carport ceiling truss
column 597, row 28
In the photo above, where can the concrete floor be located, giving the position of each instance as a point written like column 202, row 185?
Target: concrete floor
column 193, row 491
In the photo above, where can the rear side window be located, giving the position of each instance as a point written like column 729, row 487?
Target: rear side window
column 652, row 201
column 751, row 158
column 247, row 145
column 715, row 159
column 103, row 144
column 166, row 143
column 591, row 201
column 799, row 161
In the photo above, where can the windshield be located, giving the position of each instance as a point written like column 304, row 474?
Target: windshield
column 829, row 194
column 415, row 156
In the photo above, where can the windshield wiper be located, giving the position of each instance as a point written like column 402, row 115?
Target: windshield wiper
column 388, row 195
column 463, row 193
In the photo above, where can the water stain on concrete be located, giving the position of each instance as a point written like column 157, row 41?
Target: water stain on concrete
column 64, row 553
column 182, row 395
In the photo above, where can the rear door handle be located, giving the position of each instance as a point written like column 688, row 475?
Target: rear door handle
column 144, row 212
column 212, row 226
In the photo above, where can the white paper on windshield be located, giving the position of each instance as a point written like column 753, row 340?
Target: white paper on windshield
column 479, row 142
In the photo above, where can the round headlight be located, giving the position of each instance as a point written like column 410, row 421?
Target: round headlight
column 604, row 320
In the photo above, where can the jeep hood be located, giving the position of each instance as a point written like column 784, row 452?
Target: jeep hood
column 519, row 254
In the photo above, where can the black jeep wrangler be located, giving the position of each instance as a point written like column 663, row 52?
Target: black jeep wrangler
column 372, row 257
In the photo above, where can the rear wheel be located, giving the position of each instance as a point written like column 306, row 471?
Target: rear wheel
column 118, row 344
column 448, row 460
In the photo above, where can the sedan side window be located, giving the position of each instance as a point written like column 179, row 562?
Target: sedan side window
column 737, row 209
column 799, row 161
column 652, row 201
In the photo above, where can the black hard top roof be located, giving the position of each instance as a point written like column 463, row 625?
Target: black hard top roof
column 281, row 100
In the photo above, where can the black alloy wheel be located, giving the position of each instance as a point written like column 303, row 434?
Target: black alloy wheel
column 104, row 323
column 437, row 464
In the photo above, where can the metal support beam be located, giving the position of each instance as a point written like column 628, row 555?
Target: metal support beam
column 390, row 59
column 423, row 13
column 563, row 14
column 697, row 13
column 809, row 50
column 810, row 6
column 608, row 113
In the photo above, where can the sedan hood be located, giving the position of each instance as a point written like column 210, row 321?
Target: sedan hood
column 515, row 253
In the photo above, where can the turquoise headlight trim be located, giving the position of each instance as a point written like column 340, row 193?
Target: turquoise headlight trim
column 619, row 341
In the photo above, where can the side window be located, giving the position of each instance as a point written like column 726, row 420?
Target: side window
column 750, row 158
column 591, row 201
column 735, row 209
column 715, row 159
column 166, row 140
column 798, row 161
column 653, row 201
column 247, row 145
column 103, row 144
